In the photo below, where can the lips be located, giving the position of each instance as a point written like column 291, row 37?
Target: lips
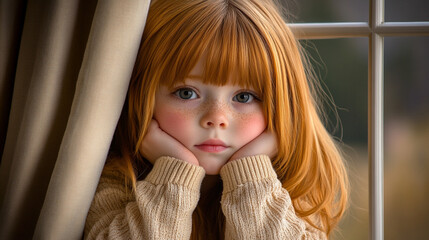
column 212, row 146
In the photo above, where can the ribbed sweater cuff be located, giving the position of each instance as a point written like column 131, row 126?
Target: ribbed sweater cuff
column 247, row 169
column 174, row 171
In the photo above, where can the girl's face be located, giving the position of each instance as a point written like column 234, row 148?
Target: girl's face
column 213, row 122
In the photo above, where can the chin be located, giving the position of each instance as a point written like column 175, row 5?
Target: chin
column 211, row 169
column 212, row 163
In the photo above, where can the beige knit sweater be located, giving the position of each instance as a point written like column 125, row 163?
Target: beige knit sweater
column 253, row 201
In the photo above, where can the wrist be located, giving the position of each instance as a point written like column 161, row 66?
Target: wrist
column 170, row 170
column 246, row 169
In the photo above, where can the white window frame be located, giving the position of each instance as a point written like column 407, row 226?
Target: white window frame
column 376, row 29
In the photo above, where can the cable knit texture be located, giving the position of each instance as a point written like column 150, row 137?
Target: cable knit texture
column 256, row 206
column 253, row 201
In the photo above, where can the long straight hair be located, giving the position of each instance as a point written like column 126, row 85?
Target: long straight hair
column 249, row 42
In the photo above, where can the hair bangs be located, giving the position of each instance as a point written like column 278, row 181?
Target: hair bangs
column 232, row 49
column 184, row 43
column 238, row 54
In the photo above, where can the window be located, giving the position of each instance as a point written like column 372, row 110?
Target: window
column 379, row 78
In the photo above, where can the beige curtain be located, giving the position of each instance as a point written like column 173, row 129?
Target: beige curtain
column 64, row 72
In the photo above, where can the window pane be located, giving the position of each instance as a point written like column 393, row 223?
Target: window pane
column 328, row 10
column 345, row 72
column 406, row 138
column 409, row 10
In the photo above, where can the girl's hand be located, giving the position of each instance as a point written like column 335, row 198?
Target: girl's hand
column 266, row 143
column 158, row 143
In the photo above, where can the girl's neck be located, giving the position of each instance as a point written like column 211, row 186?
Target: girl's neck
column 209, row 189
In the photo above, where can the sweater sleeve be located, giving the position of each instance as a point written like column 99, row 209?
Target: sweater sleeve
column 160, row 208
column 256, row 206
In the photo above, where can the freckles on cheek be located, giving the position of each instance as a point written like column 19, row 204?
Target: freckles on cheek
column 251, row 127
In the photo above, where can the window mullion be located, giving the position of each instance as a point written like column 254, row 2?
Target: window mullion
column 375, row 121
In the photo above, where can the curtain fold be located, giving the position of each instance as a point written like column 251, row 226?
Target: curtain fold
column 72, row 73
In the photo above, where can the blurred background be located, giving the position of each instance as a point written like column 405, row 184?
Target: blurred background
column 342, row 65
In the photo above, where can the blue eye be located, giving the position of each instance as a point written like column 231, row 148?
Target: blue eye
column 186, row 93
column 243, row 97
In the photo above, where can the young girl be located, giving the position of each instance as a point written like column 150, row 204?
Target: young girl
column 220, row 136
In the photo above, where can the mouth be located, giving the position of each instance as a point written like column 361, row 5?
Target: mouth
column 212, row 146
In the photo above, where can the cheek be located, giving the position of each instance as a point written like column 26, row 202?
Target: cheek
column 251, row 126
column 174, row 122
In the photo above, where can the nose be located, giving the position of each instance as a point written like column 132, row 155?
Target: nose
column 214, row 116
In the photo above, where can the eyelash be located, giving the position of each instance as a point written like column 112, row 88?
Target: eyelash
column 195, row 95
column 177, row 93
column 252, row 95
